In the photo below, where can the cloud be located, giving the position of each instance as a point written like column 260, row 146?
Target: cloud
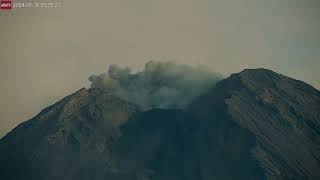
column 158, row 85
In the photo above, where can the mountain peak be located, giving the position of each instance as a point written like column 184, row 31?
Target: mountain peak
column 281, row 113
column 80, row 125
column 264, row 80
column 256, row 124
column 257, row 70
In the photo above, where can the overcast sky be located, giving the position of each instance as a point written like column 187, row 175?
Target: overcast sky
column 46, row 54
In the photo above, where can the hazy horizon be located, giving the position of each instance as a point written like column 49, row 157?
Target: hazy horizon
column 47, row 54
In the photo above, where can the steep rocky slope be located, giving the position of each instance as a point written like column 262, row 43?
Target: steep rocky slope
column 68, row 140
column 282, row 114
column 256, row 124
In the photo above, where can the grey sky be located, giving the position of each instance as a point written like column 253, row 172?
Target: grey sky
column 46, row 54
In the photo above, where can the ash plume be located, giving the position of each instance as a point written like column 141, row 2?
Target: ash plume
column 158, row 85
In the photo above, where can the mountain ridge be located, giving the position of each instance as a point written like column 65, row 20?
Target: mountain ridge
column 264, row 102
column 255, row 124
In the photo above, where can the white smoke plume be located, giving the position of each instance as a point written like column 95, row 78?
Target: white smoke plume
column 159, row 85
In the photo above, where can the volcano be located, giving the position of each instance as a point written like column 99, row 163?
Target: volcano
column 256, row 124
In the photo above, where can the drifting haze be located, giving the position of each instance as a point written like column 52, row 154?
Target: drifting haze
column 46, row 54
column 159, row 85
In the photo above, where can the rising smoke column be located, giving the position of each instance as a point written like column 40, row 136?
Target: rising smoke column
column 158, row 85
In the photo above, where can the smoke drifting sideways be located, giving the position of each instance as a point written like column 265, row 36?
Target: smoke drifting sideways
column 158, row 85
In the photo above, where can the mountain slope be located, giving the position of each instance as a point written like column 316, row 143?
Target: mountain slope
column 281, row 113
column 256, row 124
column 68, row 140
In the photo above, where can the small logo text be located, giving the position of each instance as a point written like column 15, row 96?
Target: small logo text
column 6, row 4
